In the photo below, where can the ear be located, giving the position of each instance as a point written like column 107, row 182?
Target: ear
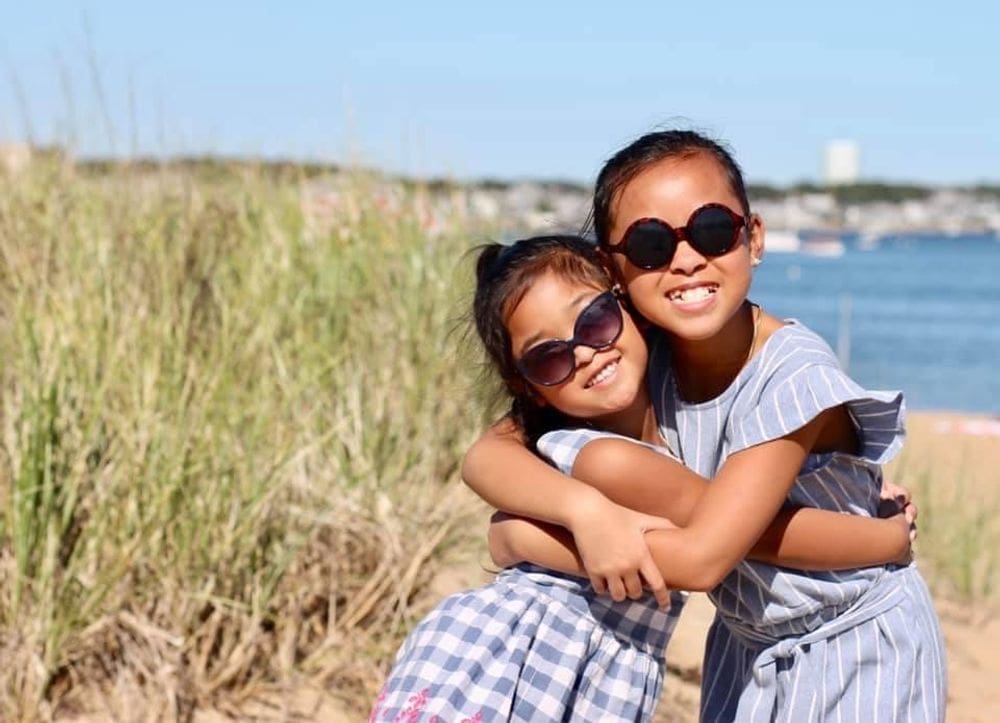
column 756, row 232
column 608, row 262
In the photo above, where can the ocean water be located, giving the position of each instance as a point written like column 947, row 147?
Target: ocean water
column 917, row 313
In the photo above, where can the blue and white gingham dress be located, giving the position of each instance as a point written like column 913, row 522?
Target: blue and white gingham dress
column 533, row 645
column 855, row 645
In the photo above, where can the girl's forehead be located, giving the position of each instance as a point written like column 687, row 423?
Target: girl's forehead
column 676, row 187
column 550, row 294
column 560, row 289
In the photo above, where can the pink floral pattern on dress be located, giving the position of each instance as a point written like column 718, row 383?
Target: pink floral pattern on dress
column 415, row 705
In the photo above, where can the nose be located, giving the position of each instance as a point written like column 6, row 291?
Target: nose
column 584, row 355
column 686, row 259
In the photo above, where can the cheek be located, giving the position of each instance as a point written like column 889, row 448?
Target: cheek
column 643, row 291
column 738, row 267
column 640, row 358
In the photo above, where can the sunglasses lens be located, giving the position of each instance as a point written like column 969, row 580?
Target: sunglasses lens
column 650, row 245
column 597, row 326
column 549, row 363
column 600, row 323
column 712, row 231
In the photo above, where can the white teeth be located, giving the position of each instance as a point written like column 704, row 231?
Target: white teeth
column 696, row 293
column 606, row 372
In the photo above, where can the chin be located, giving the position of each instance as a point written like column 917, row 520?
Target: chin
column 622, row 400
column 695, row 328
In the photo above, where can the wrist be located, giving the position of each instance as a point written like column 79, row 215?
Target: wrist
column 901, row 533
column 583, row 507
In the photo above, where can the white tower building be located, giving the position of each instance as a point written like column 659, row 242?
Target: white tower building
column 842, row 162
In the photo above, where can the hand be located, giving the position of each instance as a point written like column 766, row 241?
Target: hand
column 611, row 542
column 895, row 499
column 907, row 529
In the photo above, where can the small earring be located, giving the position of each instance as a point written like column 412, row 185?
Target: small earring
column 755, row 261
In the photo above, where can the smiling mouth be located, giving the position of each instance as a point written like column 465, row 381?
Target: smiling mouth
column 606, row 372
column 693, row 293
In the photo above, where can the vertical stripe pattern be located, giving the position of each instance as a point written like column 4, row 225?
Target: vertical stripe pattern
column 790, row 644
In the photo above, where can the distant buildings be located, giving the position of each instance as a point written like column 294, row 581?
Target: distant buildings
column 841, row 163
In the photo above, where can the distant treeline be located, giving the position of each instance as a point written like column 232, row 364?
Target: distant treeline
column 208, row 167
column 869, row 192
column 216, row 166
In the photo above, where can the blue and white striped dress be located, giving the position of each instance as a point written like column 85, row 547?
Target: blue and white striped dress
column 533, row 645
column 855, row 645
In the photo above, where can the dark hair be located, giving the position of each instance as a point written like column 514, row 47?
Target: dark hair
column 645, row 151
column 503, row 276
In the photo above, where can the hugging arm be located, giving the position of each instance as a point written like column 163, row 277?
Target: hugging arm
column 802, row 537
column 637, row 477
column 738, row 506
column 607, row 539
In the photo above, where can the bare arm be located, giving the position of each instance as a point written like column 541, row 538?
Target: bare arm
column 510, row 477
column 736, row 509
column 866, row 541
column 638, row 477
column 501, row 470
column 803, row 538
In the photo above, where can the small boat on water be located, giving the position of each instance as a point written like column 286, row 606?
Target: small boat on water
column 868, row 241
column 826, row 246
column 782, row 242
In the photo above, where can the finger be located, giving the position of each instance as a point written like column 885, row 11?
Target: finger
column 911, row 511
column 654, row 581
column 656, row 523
column 633, row 586
column 599, row 585
column 617, row 589
column 890, row 488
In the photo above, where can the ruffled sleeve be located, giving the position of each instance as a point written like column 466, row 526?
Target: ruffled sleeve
column 793, row 393
column 563, row 445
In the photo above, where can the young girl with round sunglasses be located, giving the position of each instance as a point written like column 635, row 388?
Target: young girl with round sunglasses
column 761, row 406
column 539, row 645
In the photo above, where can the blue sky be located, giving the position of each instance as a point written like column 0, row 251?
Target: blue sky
column 512, row 89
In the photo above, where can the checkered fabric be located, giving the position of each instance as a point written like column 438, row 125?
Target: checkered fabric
column 534, row 645
column 563, row 445
column 531, row 646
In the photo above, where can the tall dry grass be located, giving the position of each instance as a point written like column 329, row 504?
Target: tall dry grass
column 953, row 478
column 230, row 437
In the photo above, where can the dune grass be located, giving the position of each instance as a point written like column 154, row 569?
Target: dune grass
column 230, row 435
column 953, row 478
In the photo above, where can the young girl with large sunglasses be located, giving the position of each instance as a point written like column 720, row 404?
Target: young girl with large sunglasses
column 761, row 406
column 539, row 645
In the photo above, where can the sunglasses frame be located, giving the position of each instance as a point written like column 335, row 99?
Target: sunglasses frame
column 569, row 345
column 681, row 234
